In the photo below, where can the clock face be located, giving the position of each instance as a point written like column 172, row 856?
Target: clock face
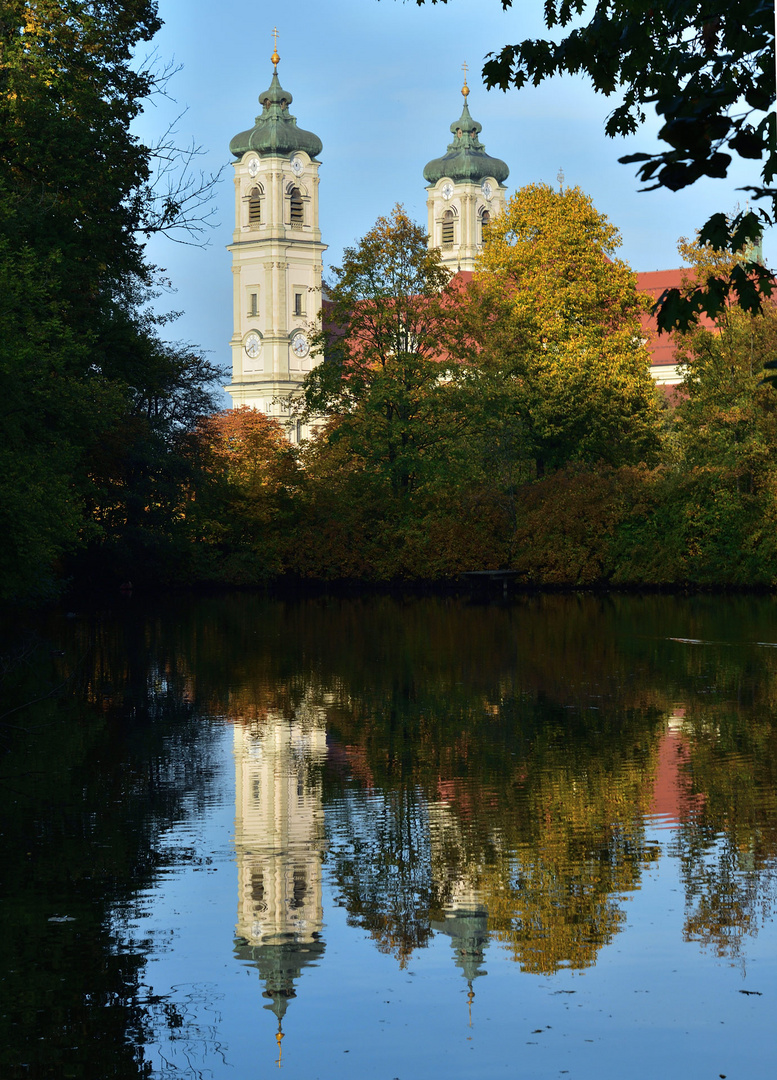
column 253, row 345
column 297, row 166
column 253, row 166
column 299, row 345
column 446, row 190
column 487, row 190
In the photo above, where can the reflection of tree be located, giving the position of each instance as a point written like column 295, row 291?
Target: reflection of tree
column 380, row 853
column 92, row 777
column 728, row 847
column 505, row 715
column 529, row 813
column 552, row 894
column 533, row 729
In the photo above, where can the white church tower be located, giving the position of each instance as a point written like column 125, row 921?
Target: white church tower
column 466, row 189
column 276, row 256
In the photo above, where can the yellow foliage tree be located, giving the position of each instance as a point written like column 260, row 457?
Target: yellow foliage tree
column 554, row 319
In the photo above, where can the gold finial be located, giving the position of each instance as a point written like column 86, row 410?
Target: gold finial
column 278, row 1039
column 275, row 59
column 465, row 88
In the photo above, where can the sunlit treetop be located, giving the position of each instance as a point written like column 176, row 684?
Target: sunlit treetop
column 708, row 70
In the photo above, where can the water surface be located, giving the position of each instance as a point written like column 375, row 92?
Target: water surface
column 350, row 837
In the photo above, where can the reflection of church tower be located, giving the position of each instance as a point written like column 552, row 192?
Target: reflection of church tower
column 465, row 918
column 466, row 189
column 466, row 924
column 276, row 254
column 279, row 844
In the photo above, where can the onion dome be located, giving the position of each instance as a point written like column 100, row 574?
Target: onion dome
column 275, row 131
column 466, row 158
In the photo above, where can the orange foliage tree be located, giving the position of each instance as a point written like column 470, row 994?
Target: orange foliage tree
column 242, row 502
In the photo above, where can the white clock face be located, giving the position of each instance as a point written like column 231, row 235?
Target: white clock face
column 487, row 190
column 446, row 191
column 299, row 345
column 253, row 166
column 253, row 345
column 296, row 166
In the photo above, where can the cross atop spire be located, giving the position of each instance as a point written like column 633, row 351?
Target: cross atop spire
column 275, row 59
column 465, row 88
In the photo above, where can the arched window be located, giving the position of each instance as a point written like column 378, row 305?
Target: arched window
column 485, row 217
column 255, row 206
column 296, row 209
column 448, row 229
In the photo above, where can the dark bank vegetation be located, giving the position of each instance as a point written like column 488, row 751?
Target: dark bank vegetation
column 93, row 398
column 509, row 422
column 99, row 757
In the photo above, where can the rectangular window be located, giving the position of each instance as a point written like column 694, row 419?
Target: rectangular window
column 296, row 212
column 253, row 303
column 299, row 303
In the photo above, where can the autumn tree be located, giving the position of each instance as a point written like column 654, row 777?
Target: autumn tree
column 383, row 382
column 238, row 515
column 727, row 417
column 552, row 318
column 724, row 498
column 708, row 70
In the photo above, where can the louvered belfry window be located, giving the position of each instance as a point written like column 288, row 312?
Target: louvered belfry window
column 254, row 207
column 447, row 229
column 296, row 211
column 485, row 217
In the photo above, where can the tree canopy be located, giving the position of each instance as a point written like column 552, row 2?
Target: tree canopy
column 92, row 397
column 384, row 381
column 554, row 318
column 708, row 70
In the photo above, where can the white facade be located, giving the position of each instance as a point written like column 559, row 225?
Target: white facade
column 277, row 259
column 457, row 212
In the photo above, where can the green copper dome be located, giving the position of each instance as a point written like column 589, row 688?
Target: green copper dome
column 275, row 131
column 466, row 158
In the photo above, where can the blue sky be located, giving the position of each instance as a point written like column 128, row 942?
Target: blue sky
column 379, row 82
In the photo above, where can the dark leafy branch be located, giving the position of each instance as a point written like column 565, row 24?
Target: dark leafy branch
column 706, row 67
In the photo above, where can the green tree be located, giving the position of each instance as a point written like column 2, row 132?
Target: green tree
column 383, row 381
column 43, row 414
column 708, row 70
column 726, row 434
column 552, row 319
column 92, row 397
column 726, row 417
column 72, row 177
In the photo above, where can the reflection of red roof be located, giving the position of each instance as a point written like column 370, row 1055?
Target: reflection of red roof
column 673, row 798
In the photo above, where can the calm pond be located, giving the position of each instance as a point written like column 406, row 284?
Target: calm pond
column 352, row 837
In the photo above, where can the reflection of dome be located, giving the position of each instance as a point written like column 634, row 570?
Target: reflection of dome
column 467, row 927
column 280, row 963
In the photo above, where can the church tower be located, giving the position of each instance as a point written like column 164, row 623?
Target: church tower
column 466, row 189
column 276, row 256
